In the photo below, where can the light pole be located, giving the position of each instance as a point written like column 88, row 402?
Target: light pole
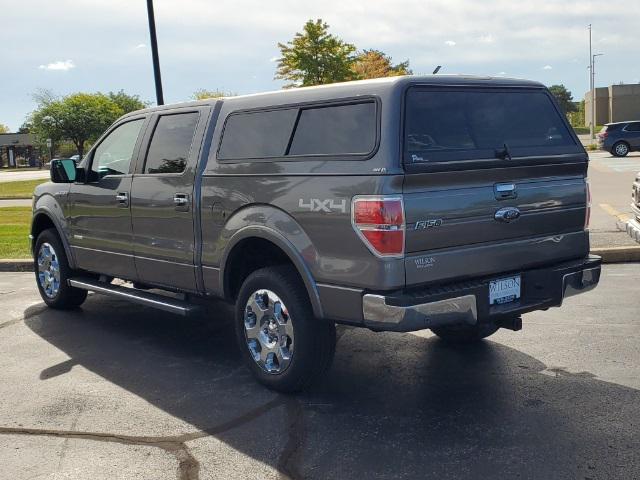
column 154, row 53
column 593, row 91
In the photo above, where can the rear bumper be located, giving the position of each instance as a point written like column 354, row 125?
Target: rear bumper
column 633, row 229
column 468, row 302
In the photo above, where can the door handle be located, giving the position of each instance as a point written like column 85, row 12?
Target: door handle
column 181, row 201
column 122, row 198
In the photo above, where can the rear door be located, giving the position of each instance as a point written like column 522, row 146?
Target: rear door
column 495, row 183
column 162, row 203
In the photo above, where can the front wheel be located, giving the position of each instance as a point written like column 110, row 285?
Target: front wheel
column 620, row 149
column 461, row 334
column 52, row 272
column 284, row 345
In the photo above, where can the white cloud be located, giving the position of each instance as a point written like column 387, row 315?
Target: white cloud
column 59, row 65
column 501, row 73
column 547, row 67
column 140, row 46
column 487, row 38
column 450, row 43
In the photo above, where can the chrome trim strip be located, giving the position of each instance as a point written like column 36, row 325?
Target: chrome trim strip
column 144, row 298
column 380, row 316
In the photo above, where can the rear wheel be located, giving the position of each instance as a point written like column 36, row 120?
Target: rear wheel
column 620, row 149
column 465, row 333
column 52, row 272
column 283, row 344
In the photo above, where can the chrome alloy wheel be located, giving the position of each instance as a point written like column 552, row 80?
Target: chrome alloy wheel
column 622, row 149
column 48, row 270
column 268, row 330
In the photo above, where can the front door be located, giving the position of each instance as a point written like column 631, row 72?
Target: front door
column 99, row 210
column 162, row 203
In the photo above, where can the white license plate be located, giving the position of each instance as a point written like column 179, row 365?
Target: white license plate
column 504, row 290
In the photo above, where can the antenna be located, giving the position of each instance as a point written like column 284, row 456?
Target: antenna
column 437, row 69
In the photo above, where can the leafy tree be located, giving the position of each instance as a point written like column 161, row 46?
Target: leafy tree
column 315, row 57
column 127, row 103
column 564, row 98
column 79, row 117
column 376, row 64
column 26, row 127
column 4, row 128
column 203, row 94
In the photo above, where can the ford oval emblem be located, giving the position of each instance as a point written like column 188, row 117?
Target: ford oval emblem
column 507, row 214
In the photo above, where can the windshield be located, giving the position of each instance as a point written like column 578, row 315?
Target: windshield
column 444, row 125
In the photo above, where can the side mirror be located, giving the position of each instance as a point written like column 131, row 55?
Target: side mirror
column 63, row 171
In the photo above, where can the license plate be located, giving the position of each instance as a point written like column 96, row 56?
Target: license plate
column 504, row 290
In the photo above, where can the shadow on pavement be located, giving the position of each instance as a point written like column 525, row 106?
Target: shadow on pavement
column 393, row 406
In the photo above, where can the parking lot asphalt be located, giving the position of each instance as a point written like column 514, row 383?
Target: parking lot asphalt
column 115, row 390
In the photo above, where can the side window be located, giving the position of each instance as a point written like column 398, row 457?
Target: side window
column 171, row 142
column 257, row 134
column 633, row 127
column 335, row 130
column 113, row 155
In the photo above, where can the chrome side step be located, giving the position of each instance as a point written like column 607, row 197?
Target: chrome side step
column 149, row 299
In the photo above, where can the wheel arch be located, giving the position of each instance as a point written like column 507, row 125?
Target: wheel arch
column 273, row 243
column 44, row 219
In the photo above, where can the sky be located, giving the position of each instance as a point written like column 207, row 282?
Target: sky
column 103, row 45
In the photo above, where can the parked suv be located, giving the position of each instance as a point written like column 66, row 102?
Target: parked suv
column 445, row 202
column 620, row 138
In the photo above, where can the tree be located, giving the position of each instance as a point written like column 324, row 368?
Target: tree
column 4, row 128
column 127, row 103
column 315, row 57
column 376, row 64
column 79, row 117
column 563, row 97
column 26, row 127
column 203, row 94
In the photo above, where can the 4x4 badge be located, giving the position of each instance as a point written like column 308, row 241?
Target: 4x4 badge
column 507, row 214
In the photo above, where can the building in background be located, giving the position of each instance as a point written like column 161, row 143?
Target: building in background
column 18, row 150
column 615, row 103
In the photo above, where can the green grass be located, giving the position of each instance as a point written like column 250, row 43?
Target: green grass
column 585, row 130
column 19, row 189
column 14, row 232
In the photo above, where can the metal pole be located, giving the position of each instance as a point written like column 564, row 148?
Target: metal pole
column 154, row 53
column 592, row 89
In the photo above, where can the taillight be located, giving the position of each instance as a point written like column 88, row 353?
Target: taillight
column 587, row 215
column 379, row 221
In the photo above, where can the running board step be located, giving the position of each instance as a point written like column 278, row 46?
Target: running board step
column 149, row 299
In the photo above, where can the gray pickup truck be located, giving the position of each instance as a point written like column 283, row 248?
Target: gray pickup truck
column 448, row 203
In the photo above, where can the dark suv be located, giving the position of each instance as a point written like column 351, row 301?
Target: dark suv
column 446, row 202
column 620, row 138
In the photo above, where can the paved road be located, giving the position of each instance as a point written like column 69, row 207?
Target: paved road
column 15, row 176
column 121, row 391
column 611, row 180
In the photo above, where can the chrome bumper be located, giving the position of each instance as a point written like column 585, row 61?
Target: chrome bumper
column 633, row 229
column 471, row 306
column 380, row 316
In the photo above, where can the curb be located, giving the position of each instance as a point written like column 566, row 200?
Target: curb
column 609, row 255
column 16, row 265
column 618, row 254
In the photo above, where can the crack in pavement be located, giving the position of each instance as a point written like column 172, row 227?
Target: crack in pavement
column 188, row 465
column 287, row 466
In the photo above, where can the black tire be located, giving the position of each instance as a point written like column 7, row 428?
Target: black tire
column 620, row 149
column 65, row 297
column 465, row 334
column 315, row 339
